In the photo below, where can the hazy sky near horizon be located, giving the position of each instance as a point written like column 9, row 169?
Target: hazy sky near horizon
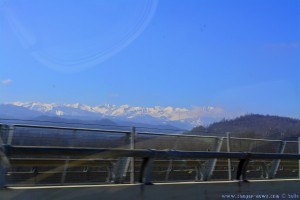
column 243, row 56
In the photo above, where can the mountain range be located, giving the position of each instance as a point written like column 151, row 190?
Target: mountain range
column 175, row 117
column 200, row 120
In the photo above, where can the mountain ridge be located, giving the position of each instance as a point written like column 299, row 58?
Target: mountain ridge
column 254, row 126
column 174, row 116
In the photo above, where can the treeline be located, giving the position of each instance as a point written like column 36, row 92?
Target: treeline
column 254, row 125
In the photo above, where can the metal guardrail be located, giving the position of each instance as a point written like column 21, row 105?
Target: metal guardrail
column 124, row 157
column 10, row 150
column 140, row 132
column 146, row 155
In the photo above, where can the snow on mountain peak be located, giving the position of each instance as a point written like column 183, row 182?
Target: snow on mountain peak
column 192, row 116
column 59, row 112
column 43, row 107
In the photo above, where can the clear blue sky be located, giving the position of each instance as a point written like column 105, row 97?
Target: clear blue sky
column 239, row 55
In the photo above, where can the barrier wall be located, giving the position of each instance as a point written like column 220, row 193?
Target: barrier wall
column 259, row 189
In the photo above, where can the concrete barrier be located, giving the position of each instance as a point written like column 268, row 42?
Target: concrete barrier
column 256, row 189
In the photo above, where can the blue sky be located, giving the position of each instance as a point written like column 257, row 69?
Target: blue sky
column 243, row 56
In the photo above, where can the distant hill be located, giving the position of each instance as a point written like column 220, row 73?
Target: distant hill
column 254, row 125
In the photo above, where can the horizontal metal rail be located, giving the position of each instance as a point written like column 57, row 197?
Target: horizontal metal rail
column 107, row 131
column 178, row 135
column 261, row 140
column 47, row 162
column 70, row 128
column 20, row 161
column 141, row 133
column 139, row 153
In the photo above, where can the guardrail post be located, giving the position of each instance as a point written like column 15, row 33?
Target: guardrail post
column 170, row 166
column 199, row 171
column 2, row 131
column 265, row 170
column 275, row 163
column 10, row 134
column 242, row 168
column 7, row 133
column 211, row 163
column 121, row 170
column 132, row 146
column 4, row 164
column 229, row 160
column 64, row 173
column 146, row 171
column 124, row 163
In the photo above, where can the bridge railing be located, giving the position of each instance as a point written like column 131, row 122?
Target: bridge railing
column 147, row 156
column 127, row 169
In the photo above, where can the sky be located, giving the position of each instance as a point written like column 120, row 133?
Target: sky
column 243, row 56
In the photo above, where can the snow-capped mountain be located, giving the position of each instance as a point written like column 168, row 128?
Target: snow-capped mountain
column 180, row 117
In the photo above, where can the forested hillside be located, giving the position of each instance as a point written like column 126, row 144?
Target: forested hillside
column 254, row 125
